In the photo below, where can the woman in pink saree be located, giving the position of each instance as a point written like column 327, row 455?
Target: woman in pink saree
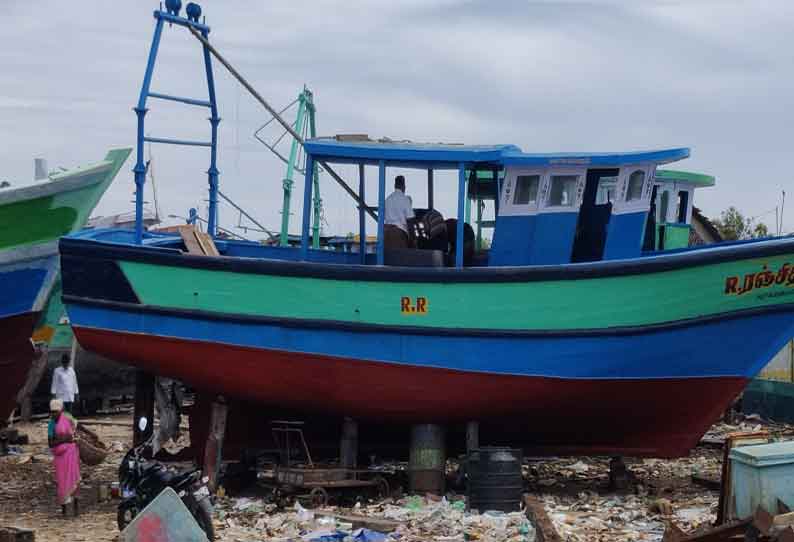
column 65, row 455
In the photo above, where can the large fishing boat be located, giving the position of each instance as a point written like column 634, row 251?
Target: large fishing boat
column 565, row 328
column 32, row 218
column 588, row 326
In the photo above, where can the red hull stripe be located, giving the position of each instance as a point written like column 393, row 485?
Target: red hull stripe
column 655, row 417
column 15, row 358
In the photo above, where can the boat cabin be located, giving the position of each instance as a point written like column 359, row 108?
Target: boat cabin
column 549, row 208
column 669, row 222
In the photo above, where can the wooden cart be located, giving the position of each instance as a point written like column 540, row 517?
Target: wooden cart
column 317, row 486
column 297, row 477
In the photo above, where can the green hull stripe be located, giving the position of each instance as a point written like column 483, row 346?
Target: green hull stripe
column 634, row 300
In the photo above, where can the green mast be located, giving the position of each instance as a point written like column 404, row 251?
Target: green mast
column 318, row 202
column 305, row 125
column 288, row 182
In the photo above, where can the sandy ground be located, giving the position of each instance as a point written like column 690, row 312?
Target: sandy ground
column 574, row 491
column 27, row 487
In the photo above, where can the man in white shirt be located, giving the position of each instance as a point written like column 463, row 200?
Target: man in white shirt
column 398, row 209
column 64, row 384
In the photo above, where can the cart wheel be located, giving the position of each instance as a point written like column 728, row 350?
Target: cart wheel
column 382, row 489
column 318, row 497
column 281, row 498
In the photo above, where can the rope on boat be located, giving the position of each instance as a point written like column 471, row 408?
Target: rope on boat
column 279, row 118
column 249, row 217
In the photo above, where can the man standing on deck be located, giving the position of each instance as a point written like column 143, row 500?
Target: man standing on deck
column 398, row 209
column 64, row 384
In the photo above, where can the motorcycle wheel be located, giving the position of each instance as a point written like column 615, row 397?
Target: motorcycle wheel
column 127, row 511
column 202, row 512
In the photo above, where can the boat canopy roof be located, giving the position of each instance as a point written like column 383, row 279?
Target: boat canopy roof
column 696, row 179
column 361, row 149
column 406, row 153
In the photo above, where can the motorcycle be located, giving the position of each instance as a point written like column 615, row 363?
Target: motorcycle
column 142, row 480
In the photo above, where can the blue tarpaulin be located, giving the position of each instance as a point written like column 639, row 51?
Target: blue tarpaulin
column 359, row 535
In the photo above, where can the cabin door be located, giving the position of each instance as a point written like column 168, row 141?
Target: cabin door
column 600, row 192
column 649, row 238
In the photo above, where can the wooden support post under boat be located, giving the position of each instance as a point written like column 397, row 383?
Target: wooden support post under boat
column 459, row 242
column 348, row 447
column 427, row 460
column 308, row 180
column 214, row 447
column 619, row 475
column 472, row 436
column 144, row 406
column 37, row 370
column 381, row 207
column 362, row 218
column 430, row 189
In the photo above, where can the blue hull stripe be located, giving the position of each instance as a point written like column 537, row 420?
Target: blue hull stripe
column 21, row 285
column 735, row 347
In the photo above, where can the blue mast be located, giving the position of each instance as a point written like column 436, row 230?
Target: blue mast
column 171, row 16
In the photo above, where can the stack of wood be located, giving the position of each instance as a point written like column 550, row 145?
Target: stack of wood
column 197, row 242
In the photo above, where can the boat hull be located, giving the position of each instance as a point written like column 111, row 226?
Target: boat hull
column 659, row 417
column 647, row 382
column 27, row 280
column 648, row 414
column 31, row 220
column 15, row 358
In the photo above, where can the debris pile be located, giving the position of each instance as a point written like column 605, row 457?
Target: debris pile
column 412, row 519
column 749, row 423
column 580, row 504
column 620, row 518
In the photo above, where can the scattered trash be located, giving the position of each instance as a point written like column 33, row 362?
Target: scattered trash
column 662, row 507
column 412, row 519
column 302, row 514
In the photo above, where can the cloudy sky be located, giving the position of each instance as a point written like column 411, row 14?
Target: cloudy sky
column 548, row 75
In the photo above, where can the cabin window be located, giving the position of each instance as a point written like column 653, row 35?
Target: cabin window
column 607, row 187
column 683, row 204
column 636, row 180
column 665, row 203
column 563, row 190
column 526, row 189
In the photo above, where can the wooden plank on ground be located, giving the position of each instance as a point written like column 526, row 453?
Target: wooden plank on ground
column 382, row 525
column 16, row 534
column 723, row 533
column 708, row 482
column 536, row 513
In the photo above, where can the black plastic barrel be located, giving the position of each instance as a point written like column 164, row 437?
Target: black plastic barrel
column 494, row 479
